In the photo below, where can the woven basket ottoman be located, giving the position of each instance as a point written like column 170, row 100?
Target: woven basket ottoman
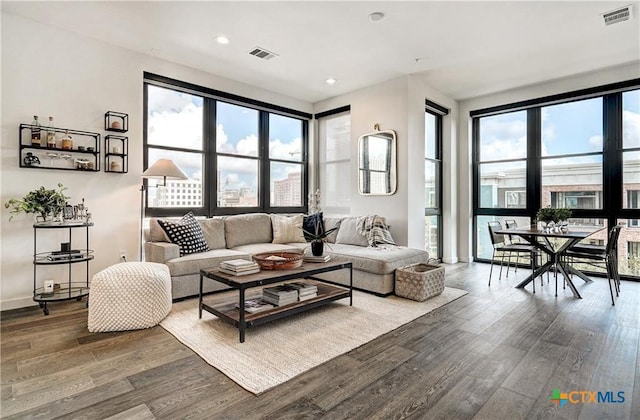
column 419, row 281
column 129, row 296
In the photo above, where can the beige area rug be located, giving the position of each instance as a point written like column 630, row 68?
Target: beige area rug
column 275, row 352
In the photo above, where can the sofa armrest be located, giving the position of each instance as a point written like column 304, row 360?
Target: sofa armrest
column 160, row 252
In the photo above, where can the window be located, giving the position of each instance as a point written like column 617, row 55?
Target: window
column 565, row 152
column 334, row 160
column 174, row 131
column 433, row 117
column 240, row 155
column 502, row 157
column 633, row 257
column 515, row 199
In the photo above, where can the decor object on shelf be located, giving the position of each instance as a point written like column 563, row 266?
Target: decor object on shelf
column 31, row 159
column 43, row 202
column 36, row 132
column 116, row 121
column 51, row 135
column 67, row 143
column 163, row 169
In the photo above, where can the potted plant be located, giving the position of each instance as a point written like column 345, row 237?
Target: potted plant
column 42, row 202
column 318, row 238
column 563, row 214
column 547, row 215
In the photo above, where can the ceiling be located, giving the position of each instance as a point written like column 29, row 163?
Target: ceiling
column 463, row 49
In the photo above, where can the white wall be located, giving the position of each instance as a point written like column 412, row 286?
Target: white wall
column 577, row 82
column 399, row 105
column 46, row 71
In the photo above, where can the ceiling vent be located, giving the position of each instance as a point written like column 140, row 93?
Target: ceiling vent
column 262, row 53
column 618, row 15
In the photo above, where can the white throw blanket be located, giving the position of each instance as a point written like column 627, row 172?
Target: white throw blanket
column 375, row 229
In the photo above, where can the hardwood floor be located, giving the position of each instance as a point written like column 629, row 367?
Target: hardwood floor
column 496, row 353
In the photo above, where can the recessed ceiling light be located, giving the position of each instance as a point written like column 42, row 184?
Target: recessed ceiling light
column 376, row 16
column 330, row 81
column 222, row 40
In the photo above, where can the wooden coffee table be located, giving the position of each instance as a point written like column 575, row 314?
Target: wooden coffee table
column 226, row 310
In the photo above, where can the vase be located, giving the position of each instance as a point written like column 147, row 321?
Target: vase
column 317, row 247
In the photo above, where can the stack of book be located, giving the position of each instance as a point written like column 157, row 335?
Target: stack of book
column 306, row 291
column 66, row 255
column 239, row 267
column 313, row 258
column 280, row 295
column 256, row 305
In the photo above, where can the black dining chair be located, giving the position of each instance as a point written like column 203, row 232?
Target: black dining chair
column 598, row 256
column 500, row 244
column 515, row 239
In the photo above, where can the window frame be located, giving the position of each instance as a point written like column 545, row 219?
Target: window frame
column 438, row 112
column 210, row 155
column 612, row 186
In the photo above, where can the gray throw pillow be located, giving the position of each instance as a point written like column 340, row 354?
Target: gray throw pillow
column 348, row 235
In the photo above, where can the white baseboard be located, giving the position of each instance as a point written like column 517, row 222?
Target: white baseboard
column 19, row 303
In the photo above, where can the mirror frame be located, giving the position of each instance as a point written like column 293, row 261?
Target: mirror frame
column 393, row 177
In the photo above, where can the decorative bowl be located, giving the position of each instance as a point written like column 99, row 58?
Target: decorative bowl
column 278, row 260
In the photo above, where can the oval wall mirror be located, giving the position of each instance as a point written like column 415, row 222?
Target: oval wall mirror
column 377, row 163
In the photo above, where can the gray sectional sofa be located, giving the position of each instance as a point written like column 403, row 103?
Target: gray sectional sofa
column 242, row 236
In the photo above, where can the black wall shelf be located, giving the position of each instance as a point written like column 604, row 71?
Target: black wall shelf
column 116, row 121
column 116, row 156
column 84, row 154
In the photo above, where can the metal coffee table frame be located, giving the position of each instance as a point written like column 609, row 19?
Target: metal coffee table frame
column 327, row 292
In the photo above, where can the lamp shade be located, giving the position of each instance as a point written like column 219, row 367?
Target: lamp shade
column 164, row 168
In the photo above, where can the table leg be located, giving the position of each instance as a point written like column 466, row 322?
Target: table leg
column 351, row 286
column 576, row 294
column 242, row 324
column 578, row 273
column 200, row 299
column 541, row 270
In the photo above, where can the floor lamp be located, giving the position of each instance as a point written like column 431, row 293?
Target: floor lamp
column 163, row 169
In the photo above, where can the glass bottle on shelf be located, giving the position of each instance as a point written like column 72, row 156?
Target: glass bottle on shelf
column 35, row 132
column 67, row 143
column 51, row 135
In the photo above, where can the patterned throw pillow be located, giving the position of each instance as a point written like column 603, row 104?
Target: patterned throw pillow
column 186, row 233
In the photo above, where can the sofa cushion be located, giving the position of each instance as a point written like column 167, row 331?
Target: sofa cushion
column 348, row 235
column 245, row 229
column 377, row 260
column 287, row 229
column 193, row 263
column 156, row 233
column 186, row 233
column 254, row 249
column 330, row 223
column 213, row 229
column 312, row 223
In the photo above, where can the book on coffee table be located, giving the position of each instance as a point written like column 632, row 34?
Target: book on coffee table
column 256, row 305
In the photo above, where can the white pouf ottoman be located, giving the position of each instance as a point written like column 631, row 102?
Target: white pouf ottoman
column 129, row 296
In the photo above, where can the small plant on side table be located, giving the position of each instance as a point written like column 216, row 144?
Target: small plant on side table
column 43, row 202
